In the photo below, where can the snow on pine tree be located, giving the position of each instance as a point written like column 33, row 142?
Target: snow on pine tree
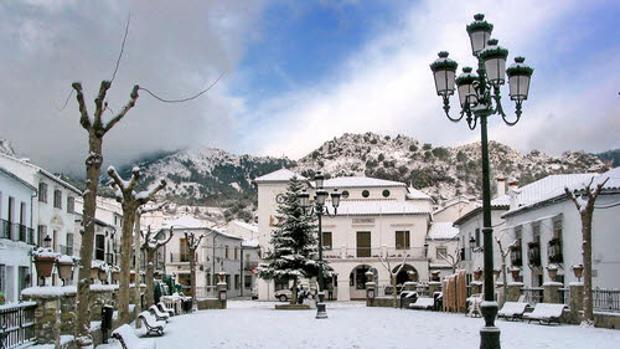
column 294, row 242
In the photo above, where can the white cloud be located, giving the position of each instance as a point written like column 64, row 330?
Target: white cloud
column 388, row 87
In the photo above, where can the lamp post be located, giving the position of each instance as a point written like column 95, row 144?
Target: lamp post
column 320, row 209
column 479, row 98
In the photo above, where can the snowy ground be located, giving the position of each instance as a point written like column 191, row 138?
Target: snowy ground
column 250, row 324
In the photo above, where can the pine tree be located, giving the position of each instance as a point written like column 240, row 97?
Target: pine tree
column 294, row 242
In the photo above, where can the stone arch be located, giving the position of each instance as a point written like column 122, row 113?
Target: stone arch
column 408, row 273
column 358, row 279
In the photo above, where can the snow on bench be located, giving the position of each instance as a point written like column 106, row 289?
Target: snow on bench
column 512, row 310
column 546, row 313
column 159, row 315
column 128, row 339
column 165, row 309
column 423, row 303
column 153, row 326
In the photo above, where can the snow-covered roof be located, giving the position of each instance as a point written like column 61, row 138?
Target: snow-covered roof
column 244, row 225
column 499, row 203
column 415, row 194
column 188, row 222
column 281, row 175
column 27, row 170
column 378, row 207
column 359, row 182
column 17, row 179
column 250, row 243
column 550, row 187
column 442, row 231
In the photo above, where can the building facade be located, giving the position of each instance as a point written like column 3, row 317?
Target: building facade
column 17, row 238
column 377, row 222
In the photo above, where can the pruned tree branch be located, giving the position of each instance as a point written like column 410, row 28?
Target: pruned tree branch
column 84, row 118
column 130, row 104
column 99, row 104
column 148, row 195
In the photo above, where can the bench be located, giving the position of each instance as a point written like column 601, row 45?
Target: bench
column 546, row 313
column 424, row 303
column 153, row 326
column 159, row 315
column 165, row 309
column 128, row 339
column 513, row 310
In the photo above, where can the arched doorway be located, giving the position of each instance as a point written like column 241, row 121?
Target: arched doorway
column 407, row 273
column 358, row 279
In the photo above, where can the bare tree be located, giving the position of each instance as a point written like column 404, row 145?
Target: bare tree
column 393, row 274
column 130, row 201
column 504, row 269
column 192, row 245
column 96, row 129
column 150, row 246
column 453, row 259
column 585, row 206
column 138, row 256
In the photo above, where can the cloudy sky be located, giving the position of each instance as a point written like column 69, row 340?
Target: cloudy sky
column 296, row 73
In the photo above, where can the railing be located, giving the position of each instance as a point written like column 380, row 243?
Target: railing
column 564, row 295
column 179, row 257
column 606, row 300
column 555, row 251
column 16, row 232
column 17, row 324
column 109, row 258
column 533, row 295
column 373, row 252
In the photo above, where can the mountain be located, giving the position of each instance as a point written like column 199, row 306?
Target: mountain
column 611, row 156
column 214, row 177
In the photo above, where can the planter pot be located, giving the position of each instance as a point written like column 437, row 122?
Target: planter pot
column 221, row 277
column 94, row 271
column 477, row 274
column 552, row 271
column 44, row 265
column 115, row 275
column 64, row 270
column 132, row 277
column 102, row 275
column 578, row 271
column 435, row 275
column 515, row 273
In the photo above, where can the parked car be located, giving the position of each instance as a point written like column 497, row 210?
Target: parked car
column 283, row 295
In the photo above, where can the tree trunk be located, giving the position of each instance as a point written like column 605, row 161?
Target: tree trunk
column 192, row 268
column 93, row 170
column 294, row 294
column 149, row 298
column 586, row 226
column 137, row 254
column 394, row 292
column 129, row 214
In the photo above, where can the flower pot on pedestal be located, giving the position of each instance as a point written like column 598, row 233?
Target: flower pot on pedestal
column 552, row 270
column 44, row 265
column 514, row 272
column 65, row 268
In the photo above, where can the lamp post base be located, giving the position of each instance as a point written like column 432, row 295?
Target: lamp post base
column 489, row 334
column 321, row 309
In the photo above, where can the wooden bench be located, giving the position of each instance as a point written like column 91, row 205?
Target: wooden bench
column 513, row 310
column 546, row 313
column 153, row 326
column 159, row 315
column 165, row 309
column 128, row 339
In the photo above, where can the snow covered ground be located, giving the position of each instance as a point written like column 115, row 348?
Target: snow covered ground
column 250, row 324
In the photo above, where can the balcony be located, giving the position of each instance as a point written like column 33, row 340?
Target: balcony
column 16, row 232
column 555, row 251
column 250, row 266
column 533, row 253
column 373, row 253
column 516, row 257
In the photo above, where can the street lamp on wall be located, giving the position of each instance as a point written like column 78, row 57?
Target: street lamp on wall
column 479, row 98
column 320, row 209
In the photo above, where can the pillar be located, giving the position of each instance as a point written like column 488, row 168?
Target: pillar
column 513, row 291
column 551, row 292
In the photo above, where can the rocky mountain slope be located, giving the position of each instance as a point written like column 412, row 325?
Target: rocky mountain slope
column 6, row 147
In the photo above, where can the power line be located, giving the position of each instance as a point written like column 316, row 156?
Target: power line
column 66, row 101
column 181, row 100
column 120, row 54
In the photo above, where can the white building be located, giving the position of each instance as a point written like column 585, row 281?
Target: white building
column 376, row 218
column 443, row 248
column 17, row 239
column 54, row 209
column 219, row 251
column 548, row 226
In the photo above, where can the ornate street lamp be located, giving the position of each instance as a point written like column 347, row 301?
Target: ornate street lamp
column 320, row 209
column 479, row 98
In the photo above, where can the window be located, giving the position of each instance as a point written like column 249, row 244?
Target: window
column 208, row 279
column 441, row 252
column 41, row 234
column 69, row 251
column 237, row 281
column 557, row 227
column 226, row 251
column 477, row 237
column 70, row 204
column 236, row 255
column 227, row 282
column 386, row 193
column 57, row 198
column 327, row 240
column 183, row 253
column 42, row 192
column 24, row 278
column 345, row 194
column 100, row 247
column 365, row 193
column 3, row 279
column 402, row 240
column 247, row 282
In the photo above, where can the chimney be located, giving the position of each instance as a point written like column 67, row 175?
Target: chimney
column 513, row 193
column 501, row 185
column 513, row 184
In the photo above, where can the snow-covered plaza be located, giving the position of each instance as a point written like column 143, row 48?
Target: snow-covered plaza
column 250, row 324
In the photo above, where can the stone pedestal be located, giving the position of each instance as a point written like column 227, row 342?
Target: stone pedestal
column 371, row 293
column 433, row 286
column 575, row 301
column 222, row 293
column 99, row 296
column 410, row 286
column 513, row 291
column 476, row 287
column 551, row 292
column 49, row 320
